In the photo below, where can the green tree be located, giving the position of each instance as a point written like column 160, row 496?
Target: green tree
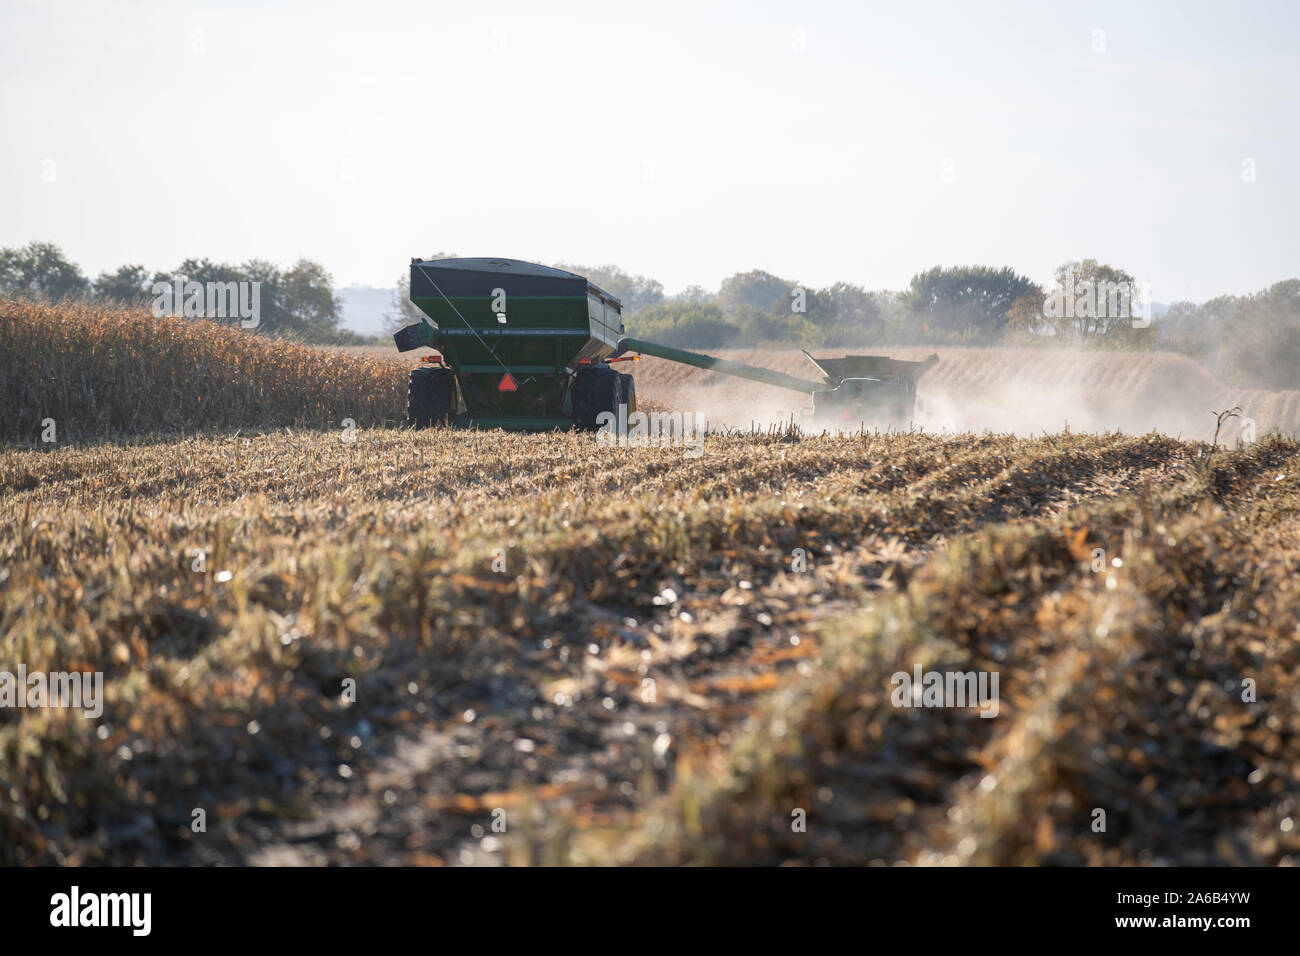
column 1025, row 319
column 896, row 327
column 297, row 303
column 756, row 290
column 1093, row 303
column 39, row 270
column 203, row 271
column 684, row 325
column 964, row 303
column 695, row 294
column 1259, row 343
column 844, row 315
column 126, row 285
column 768, row 326
column 311, row 310
column 1197, row 330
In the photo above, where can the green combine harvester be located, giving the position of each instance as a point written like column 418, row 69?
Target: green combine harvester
column 526, row 346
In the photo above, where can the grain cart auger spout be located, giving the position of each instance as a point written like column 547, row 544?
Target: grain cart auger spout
column 526, row 346
column 869, row 389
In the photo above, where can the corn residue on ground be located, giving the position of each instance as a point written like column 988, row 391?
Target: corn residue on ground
column 454, row 647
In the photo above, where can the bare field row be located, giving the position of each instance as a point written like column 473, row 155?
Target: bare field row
column 617, row 651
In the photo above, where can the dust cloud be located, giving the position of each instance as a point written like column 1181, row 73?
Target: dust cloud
column 1017, row 391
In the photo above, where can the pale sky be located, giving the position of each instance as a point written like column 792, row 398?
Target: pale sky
column 822, row 141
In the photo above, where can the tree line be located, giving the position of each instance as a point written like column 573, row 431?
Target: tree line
column 1249, row 340
column 298, row 302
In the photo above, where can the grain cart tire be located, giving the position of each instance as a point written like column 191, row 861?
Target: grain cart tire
column 627, row 392
column 430, row 397
column 595, row 390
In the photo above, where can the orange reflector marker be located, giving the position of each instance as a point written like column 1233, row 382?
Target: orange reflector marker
column 507, row 384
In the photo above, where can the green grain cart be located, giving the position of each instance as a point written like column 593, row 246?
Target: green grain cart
column 525, row 346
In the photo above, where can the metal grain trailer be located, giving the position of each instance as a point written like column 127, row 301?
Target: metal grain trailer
column 526, row 346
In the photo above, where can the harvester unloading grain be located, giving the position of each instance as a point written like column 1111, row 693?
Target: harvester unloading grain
column 526, row 346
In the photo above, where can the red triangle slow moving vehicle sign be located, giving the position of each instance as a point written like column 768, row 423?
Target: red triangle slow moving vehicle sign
column 507, row 384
